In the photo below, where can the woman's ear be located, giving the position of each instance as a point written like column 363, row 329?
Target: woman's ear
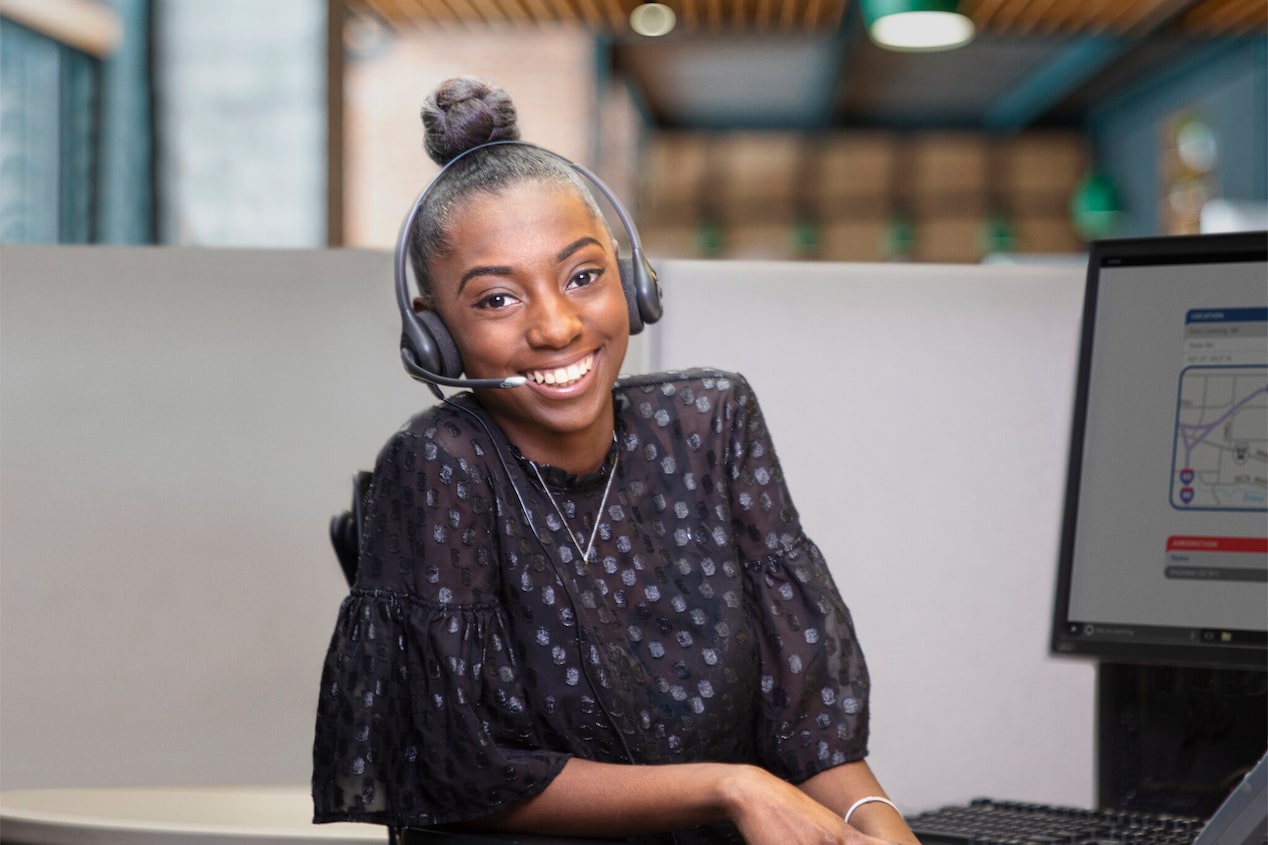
column 420, row 304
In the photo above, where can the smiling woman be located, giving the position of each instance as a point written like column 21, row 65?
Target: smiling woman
column 533, row 290
column 583, row 605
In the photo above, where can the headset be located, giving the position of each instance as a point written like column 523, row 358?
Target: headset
column 427, row 348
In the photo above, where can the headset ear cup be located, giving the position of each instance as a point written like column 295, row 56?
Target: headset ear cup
column 448, row 362
column 647, row 289
column 630, row 288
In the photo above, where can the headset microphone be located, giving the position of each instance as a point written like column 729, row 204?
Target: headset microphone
column 428, row 377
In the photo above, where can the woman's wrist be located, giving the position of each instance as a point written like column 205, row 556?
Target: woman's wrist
column 870, row 799
column 738, row 788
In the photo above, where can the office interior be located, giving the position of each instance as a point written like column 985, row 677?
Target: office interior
column 198, row 204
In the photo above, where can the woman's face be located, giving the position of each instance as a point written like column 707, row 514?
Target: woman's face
column 531, row 287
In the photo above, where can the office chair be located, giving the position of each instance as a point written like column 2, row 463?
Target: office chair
column 345, row 528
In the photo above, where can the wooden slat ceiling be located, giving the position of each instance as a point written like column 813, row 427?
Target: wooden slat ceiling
column 1117, row 17
column 1226, row 17
column 1055, row 18
column 612, row 16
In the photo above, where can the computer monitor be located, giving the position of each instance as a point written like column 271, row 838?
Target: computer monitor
column 1164, row 547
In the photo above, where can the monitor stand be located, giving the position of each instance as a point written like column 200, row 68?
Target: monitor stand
column 1176, row 739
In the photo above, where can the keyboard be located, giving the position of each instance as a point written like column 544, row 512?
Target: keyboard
column 987, row 822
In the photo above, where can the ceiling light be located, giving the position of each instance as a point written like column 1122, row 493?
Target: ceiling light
column 652, row 19
column 916, row 25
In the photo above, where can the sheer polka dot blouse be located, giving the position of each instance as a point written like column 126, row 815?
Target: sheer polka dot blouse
column 478, row 650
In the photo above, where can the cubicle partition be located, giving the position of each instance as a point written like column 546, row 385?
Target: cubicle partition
column 178, row 425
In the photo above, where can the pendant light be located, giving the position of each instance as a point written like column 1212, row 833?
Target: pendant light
column 917, row 25
column 1095, row 208
column 652, row 19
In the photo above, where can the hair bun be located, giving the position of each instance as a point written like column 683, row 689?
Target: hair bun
column 463, row 113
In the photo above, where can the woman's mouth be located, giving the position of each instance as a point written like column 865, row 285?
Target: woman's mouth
column 563, row 376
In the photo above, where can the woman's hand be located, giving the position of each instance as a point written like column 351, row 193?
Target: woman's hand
column 589, row 799
column 771, row 811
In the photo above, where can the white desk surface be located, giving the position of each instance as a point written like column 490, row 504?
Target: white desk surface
column 202, row 815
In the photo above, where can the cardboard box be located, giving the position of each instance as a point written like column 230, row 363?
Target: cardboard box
column 860, row 207
column 740, row 210
column 947, row 163
column 761, row 166
column 853, row 240
column 674, row 167
column 669, row 241
column 1047, row 234
column 1040, row 164
column 949, row 238
column 1046, row 204
column 853, row 165
column 760, row 242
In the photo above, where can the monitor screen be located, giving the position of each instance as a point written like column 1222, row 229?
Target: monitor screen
column 1164, row 548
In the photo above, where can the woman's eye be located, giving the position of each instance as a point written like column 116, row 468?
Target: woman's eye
column 494, row 301
column 585, row 278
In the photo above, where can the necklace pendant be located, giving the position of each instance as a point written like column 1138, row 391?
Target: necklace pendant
column 598, row 516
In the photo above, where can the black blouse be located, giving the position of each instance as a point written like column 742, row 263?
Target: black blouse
column 477, row 651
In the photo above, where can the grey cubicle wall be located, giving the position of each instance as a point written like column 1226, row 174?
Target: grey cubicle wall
column 177, row 425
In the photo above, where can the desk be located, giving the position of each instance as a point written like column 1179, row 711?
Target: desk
column 204, row 815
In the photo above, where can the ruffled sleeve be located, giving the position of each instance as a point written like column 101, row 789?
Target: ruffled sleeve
column 814, row 684
column 422, row 718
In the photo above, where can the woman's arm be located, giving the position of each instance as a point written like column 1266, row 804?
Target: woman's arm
column 614, row 800
column 839, row 787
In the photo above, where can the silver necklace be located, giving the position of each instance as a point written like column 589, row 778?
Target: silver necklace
column 598, row 516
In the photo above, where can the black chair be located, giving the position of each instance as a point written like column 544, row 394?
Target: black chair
column 345, row 528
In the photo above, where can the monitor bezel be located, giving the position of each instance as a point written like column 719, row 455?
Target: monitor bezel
column 1208, row 248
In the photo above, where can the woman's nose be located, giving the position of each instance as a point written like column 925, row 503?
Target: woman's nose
column 555, row 321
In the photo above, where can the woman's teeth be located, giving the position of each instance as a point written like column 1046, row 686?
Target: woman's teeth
column 564, row 375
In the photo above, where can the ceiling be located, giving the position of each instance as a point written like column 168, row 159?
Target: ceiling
column 807, row 64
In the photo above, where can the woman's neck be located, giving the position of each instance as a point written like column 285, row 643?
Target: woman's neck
column 577, row 453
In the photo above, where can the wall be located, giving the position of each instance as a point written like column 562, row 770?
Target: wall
column 178, row 431
column 179, row 425
column 550, row 77
column 1229, row 88
column 240, row 106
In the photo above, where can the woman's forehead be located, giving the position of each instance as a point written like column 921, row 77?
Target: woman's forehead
column 528, row 222
column 524, row 205
column 542, row 189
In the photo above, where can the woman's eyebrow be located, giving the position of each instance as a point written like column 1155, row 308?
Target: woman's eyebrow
column 482, row 270
column 576, row 245
column 502, row 270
